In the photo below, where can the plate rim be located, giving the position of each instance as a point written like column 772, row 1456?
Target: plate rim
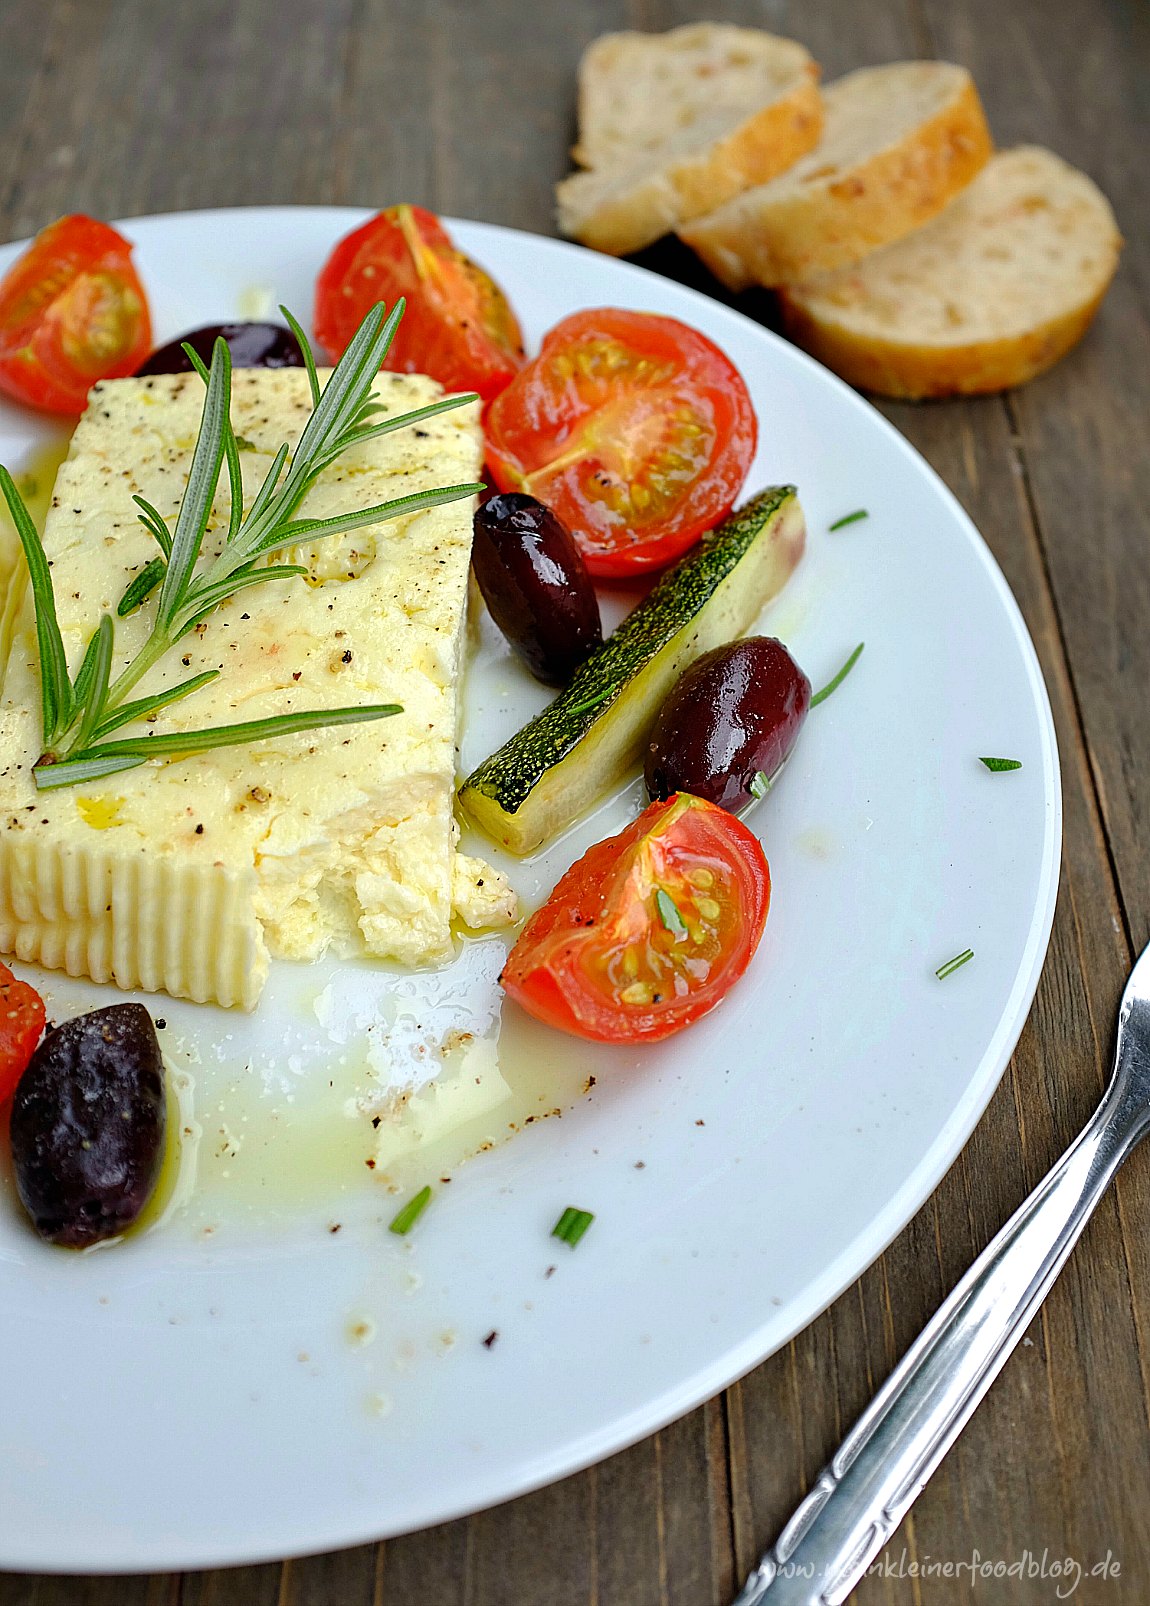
column 571, row 1456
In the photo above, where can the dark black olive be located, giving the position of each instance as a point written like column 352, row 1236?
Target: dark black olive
column 88, row 1126
column 535, row 584
column 732, row 718
column 252, row 345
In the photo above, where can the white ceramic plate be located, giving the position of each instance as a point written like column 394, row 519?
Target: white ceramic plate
column 243, row 1383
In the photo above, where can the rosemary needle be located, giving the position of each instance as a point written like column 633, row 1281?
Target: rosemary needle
column 849, row 518
column 954, row 964
column 406, row 1218
column 669, row 913
column 833, row 685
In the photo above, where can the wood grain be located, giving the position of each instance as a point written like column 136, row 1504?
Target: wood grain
column 120, row 107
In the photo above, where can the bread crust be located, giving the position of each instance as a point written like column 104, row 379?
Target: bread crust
column 912, row 371
column 640, row 208
column 880, row 199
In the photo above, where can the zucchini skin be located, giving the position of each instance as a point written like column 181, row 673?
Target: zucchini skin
column 496, row 792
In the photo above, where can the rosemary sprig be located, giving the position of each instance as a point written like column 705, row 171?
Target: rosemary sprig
column 78, row 714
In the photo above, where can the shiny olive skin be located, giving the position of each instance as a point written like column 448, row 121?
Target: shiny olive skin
column 87, row 1126
column 735, row 714
column 535, row 585
column 252, row 345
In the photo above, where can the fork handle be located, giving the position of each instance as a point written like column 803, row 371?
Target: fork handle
column 885, row 1461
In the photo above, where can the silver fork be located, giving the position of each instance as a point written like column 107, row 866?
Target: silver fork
column 888, row 1456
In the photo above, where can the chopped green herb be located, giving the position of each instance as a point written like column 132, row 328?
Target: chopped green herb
column 593, row 702
column 669, row 913
column 999, row 765
column 571, row 1226
column 954, row 964
column 411, row 1212
column 850, row 518
column 761, row 784
column 833, row 685
column 246, row 445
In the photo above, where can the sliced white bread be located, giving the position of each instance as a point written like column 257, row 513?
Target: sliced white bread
column 671, row 125
column 992, row 292
column 898, row 144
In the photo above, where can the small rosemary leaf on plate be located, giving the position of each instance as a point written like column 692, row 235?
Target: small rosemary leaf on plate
column 833, row 685
column 954, row 964
column 593, row 702
column 760, row 784
column 572, row 1224
column 850, row 518
column 669, row 913
column 411, row 1212
column 999, row 766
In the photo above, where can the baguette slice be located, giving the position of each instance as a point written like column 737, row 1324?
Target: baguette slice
column 991, row 293
column 899, row 143
column 672, row 125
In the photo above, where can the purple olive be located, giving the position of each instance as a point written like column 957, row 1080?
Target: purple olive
column 88, row 1126
column 252, row 345
column 728, row 724
column 535, row 585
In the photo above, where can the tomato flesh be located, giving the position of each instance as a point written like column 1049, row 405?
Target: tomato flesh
column 648, row 930
column 457, row 326
column 72, row 311
column 21, row 1026
column 637, row 430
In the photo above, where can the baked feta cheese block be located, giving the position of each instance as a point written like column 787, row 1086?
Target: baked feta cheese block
column 185, row 875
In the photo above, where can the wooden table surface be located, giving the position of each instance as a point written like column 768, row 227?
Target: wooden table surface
column 121, row 107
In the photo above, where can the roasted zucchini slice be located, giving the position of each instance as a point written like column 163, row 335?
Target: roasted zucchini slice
column 563, row 760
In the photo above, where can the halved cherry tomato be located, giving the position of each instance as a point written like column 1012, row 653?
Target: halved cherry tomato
column 72, row 311
column 458, row 325
column 21, row 1026
column 648, row 930
column 635, row 429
